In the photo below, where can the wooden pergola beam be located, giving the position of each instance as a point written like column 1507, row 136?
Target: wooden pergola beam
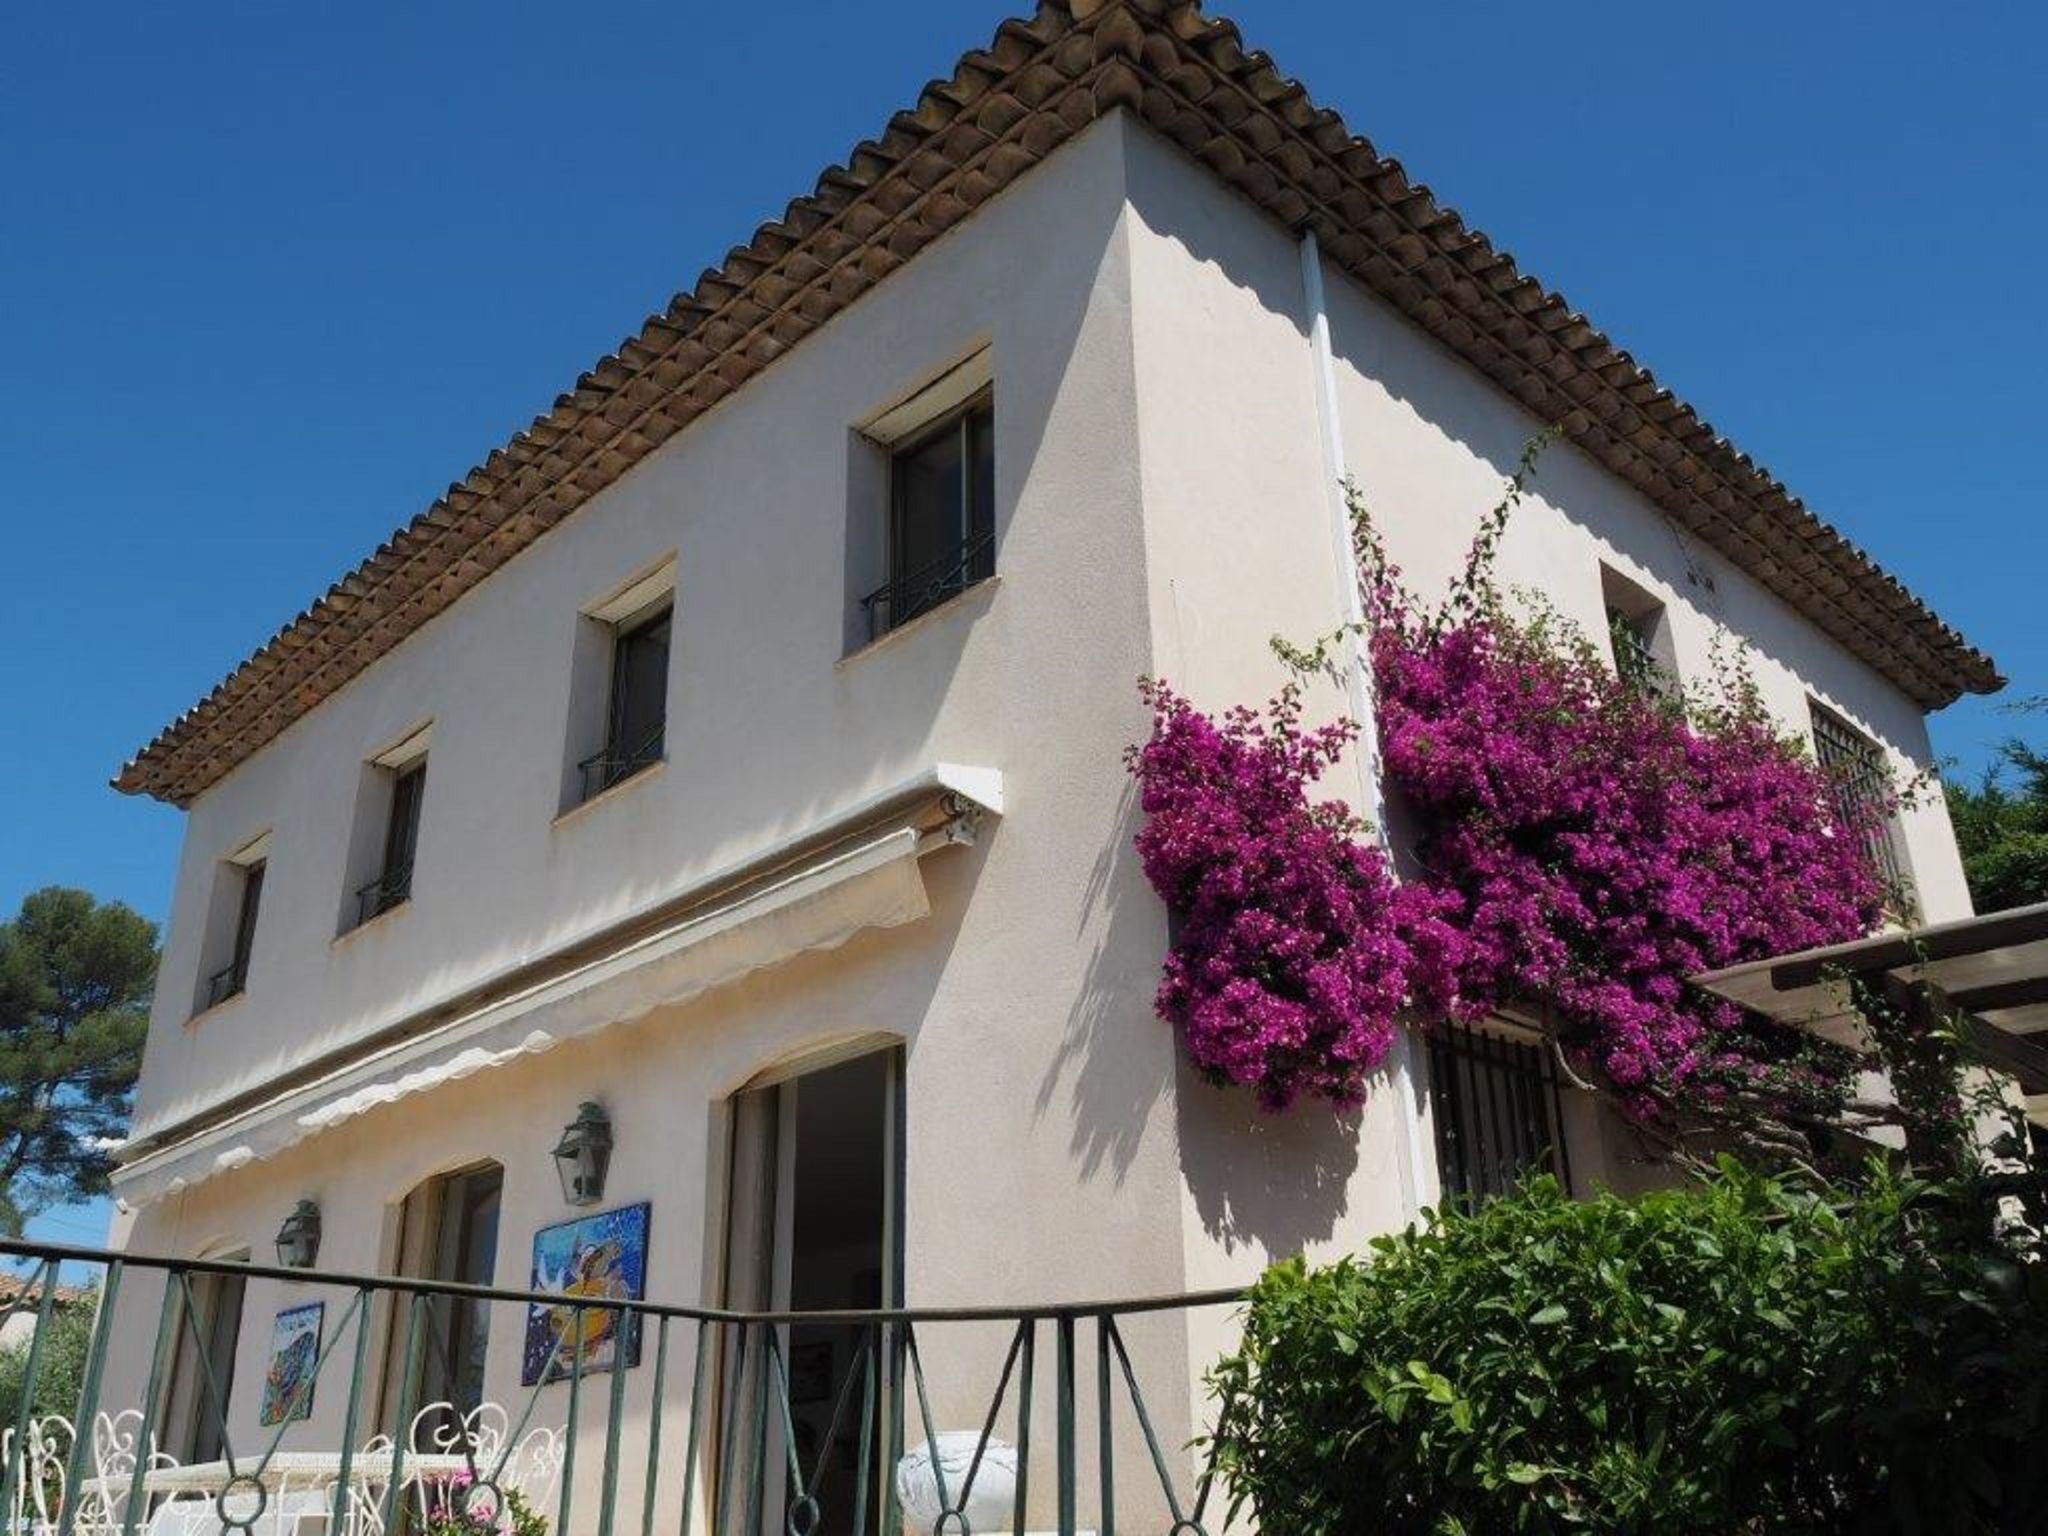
column 2028, row 926
column 1996, row 996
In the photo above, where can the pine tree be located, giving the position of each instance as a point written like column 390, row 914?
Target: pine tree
column 75, row 979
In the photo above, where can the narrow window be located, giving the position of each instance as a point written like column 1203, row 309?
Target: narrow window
column 1860, row 782
column 1499, row 1116
column 1639, row 635
column 942, row 484
column 636, row 716
column 393, row 884
column 230, row 980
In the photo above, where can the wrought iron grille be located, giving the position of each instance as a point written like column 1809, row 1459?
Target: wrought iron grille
column 1499, row 1115
column 903, row 598
column 602, row 770
column 698, row 1420
column 383, row 893
column 1861, row 785
column 227, row 982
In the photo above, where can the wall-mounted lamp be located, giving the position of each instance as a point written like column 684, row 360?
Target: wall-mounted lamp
column 298, row 1240
column 584, row 1154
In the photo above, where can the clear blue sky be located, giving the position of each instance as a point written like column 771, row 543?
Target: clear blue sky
column 272, row 276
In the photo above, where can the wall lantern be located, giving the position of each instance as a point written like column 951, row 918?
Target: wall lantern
column 298, row 1240
column 584, row 1153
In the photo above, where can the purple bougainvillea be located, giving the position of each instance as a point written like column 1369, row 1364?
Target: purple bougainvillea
column 1596, row 848
column 1583, row 846
column 1289, row 961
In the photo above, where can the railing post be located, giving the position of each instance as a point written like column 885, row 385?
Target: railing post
column 89, row 1399
column 1105, row 1429
column 17, row 1443
column 159, row 1362
column 338, row 1520
column 1030, row 1327
column 654, row 1414
column 693, row 1437
column 415, row 1346
column 1065, row 1388
column 569, row 1430
column 615, row 1410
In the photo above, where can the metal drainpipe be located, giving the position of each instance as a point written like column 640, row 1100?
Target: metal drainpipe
column 1418, row 1179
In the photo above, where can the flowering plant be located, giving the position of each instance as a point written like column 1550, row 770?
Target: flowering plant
column 1288, row 962
column 454, row 1510
column 1583, row 845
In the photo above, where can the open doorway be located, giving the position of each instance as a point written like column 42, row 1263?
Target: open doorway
column 194, row 1408
column 447, row 1230
column 814, row 1225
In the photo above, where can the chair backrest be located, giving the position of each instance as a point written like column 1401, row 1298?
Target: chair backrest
column 45, row 1452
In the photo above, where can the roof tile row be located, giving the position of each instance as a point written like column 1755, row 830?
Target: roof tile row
column 1006, row 107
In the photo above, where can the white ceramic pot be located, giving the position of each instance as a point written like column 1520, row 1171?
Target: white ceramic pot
column 993, row 1502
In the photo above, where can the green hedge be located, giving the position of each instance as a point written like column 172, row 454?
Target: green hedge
column 1744, row 1355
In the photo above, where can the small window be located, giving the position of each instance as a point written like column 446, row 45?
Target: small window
column 245, row 876
column 636, row 712
column 1499, row 1116
column 1639, row 634
column 941, row 535
column 1860, row 781
column 393, row 884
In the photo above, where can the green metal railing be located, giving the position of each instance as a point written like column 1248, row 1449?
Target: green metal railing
column 763, row 1441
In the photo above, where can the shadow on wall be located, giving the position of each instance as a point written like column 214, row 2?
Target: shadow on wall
column 1271, row 1183
column 1275, row 1184
column 1115, row 1056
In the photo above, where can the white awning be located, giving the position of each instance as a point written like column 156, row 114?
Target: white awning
column 869, row 879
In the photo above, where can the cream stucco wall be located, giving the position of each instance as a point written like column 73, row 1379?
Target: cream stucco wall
column 1160, row 510
column 1037, row 1084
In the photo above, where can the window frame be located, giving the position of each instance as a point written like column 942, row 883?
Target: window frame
column 400, row 848
column 911, row 591
column 232, row 979
column 616, row 761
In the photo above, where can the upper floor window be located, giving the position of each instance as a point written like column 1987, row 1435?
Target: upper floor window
column 231, row 924
column 1860, row 780
column 1639, row 633
column 941, row 536
column 393, row 883
column 618, row 691
column 385, row 847
column 1499, row 1116
column 636, row 711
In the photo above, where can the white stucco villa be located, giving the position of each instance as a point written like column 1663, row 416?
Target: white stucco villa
column 738, row 750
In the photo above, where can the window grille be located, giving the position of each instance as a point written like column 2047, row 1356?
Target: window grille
column 1861, row 785
column 1499, row 1115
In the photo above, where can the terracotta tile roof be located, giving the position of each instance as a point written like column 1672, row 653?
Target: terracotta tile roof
column 1006, row 107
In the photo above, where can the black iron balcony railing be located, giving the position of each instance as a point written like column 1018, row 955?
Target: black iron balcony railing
column 227, row 982
column 614, row 765
column 388, row 890
column 917, row 591
column 791, row 1424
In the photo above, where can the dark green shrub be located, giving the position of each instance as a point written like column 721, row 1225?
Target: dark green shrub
column 1745, row 1355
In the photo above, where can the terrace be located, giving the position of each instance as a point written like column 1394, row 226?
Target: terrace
column 735, row 1422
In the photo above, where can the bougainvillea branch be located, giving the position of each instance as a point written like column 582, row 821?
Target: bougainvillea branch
column 1584, row 847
